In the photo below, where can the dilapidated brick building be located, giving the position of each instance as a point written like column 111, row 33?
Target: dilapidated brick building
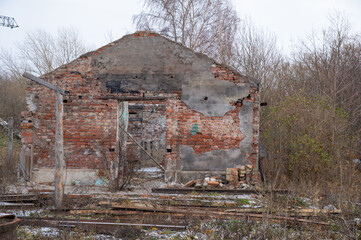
column 196, row 116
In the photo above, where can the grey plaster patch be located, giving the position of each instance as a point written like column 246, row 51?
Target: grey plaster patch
column 216, row 160
column 30, row 100
column 211, row 96
column 36, row 123
column 245, row 121
column 156, row 63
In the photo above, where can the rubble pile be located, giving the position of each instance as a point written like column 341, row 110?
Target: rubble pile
column 234, row 178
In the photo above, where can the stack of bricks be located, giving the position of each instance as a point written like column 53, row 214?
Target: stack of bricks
column 241, row 174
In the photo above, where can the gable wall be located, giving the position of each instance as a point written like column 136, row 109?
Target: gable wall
column 227, row 132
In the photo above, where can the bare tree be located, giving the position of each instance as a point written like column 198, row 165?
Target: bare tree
column 330, row 65
column 10, row 65
column 12, row 99
column 207, row 26
column 40, row 52
column 68, row 46
column 312, row 126
column 257, row 55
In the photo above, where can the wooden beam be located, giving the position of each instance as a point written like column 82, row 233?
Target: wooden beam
column 121, row 147
column 11, row 140
column 44, row 83
column 60, row 166
column 125, row 99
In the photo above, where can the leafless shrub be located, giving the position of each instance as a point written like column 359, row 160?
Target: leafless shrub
column 8, row 171
column 308, row 145
column 12, row 100
column 117, row 178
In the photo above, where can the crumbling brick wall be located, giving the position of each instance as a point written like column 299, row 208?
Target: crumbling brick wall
column 205, row 134
column 184, row 132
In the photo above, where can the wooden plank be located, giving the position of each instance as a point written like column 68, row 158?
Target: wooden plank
column 31, row 162
column 140, row 146
column 101, row 226
column 11, row 140
column 44, row 83
column 135, row 107
column 60, row 166
column 119, row 98
column 123, row 120
column 135, row 119
column 225, row 191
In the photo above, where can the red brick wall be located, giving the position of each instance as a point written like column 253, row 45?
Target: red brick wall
column 90, row 122
column 214, row 133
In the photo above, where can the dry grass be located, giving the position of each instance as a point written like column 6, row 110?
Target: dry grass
column 8, row 173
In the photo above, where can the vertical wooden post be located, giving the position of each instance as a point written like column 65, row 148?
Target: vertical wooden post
column 121, row 140
column 124, row 137
column 59, row 153
column 31, row 162
column 60, row 166
column 11, row 140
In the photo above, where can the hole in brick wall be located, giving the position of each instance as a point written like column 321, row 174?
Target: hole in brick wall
column 80, row 97
column 111, row 149
column 30, row 121
column 169, row 150
column 65, row 101
column 106, row 105
column 205, row 98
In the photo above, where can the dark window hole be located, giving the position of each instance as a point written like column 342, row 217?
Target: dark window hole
column 80, row 97
column 205, row 98
column 169, row 150
column 65, row 101
column 111, row 149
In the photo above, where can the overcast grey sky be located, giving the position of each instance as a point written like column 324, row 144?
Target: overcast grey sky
column 290, row 20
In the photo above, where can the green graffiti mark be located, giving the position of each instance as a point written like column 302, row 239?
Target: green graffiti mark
column 194, row 129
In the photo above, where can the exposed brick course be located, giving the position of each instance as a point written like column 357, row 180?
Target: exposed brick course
column 90, row 122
